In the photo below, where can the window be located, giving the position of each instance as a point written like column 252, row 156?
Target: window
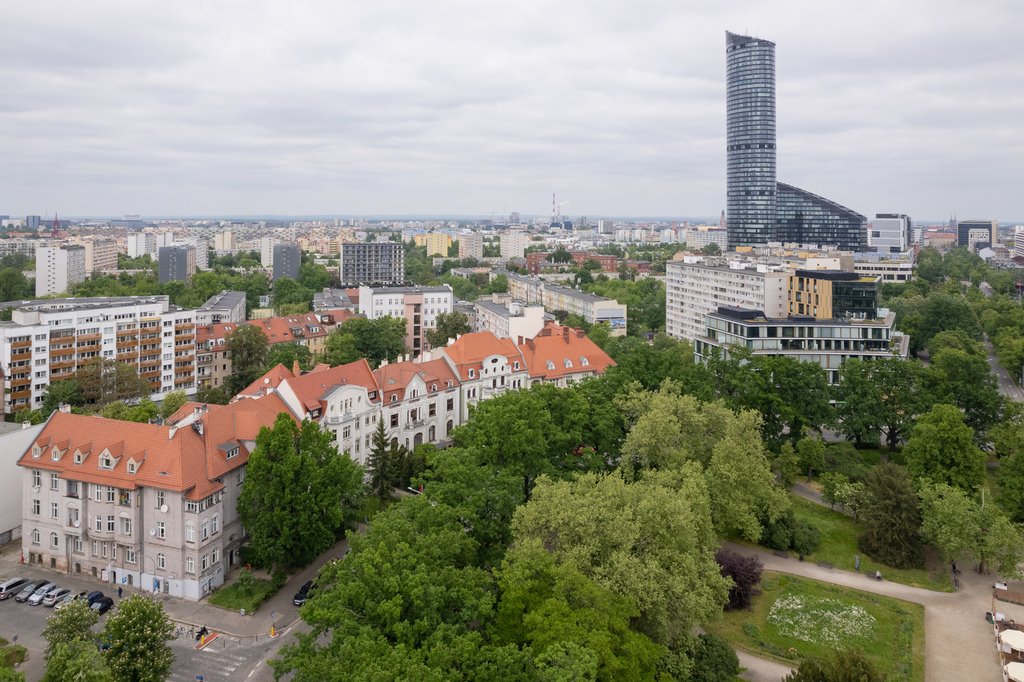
column 126, row 527
column 472, row 373
column 54, row 540
column 106, row 462
column 215, row 525
column 99, row 523
column 204, row 530
column 206, row 561
column 585, row 362
column 190, row 565
column 131, row 467
column 113, row 551
column 161, row 530
column 568, row 363
column 346, row 432
column 35, row 507
column 159, row 498
column 432, row 410
column 95, row 548
column 37, row 479
column 76, row 545
column 53, row 510
column 54, row 482
column 161, row 561
column 55, row 455
column 110, row 494
column 394, row 420
column 232, row 452
column 129, row 555
column 110, row 523
column 214, row 556
column 515, row 365
column 35, row 536
column 394, row 397
column 190, row 533
column 97, row 493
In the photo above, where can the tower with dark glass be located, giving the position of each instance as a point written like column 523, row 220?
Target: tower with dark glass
column 760, row 209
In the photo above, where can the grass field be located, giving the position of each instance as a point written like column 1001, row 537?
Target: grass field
column 796, row 617
column 241, row 596
column 839, row 546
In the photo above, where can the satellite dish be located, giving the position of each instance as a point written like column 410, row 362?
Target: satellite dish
column 163, row 508
column 152, row 531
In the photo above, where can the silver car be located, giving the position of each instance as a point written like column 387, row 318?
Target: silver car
column 55, row 596
column 37, row 597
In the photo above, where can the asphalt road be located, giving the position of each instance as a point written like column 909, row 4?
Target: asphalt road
column 1007, row 386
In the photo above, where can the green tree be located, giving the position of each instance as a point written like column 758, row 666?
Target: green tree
column 497, row 285
column 173, row 402
column 891, row 518
column 288, row 292
column 659, row 554
column 248, row 347
column 950, row 520
column 214, row 396
column 72, row 623
column 376, row 340
column 106, row 381
column 941, row 448
column 883, row 395
column 560, row 255
column 449, row 326
column 382, row 462
column 790, row 395
column 713, row 659
column 65, row 392
column 965, row 380
column 287, row 353
column 812, row 454
column 138, row 633
column 296, row 493
column 14, row 286
column 80, row 661
column 840, row 666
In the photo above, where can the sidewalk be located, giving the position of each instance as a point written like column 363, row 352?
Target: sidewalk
column 278, row 610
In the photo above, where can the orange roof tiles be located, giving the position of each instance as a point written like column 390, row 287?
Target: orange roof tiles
column 394, row 378
column 311, row 387
column 470, row 350
column 270, row 379
column 559, row 351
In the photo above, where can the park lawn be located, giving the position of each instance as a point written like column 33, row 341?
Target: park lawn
column 797, row 617
column 838, row 547
column 235, row 596
column 11, row 655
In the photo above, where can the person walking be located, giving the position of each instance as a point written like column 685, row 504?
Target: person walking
column 120, row 591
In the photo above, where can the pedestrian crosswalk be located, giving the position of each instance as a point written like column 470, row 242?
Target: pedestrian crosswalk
column 209, row 664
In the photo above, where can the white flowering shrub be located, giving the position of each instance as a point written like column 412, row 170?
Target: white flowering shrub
column 820, row 620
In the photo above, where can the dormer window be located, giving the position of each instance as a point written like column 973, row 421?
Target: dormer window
column 394, row 397
column 55, row 454
column 551, row 365
column 568, row 363
column 79, row 457
column 584, row 362
column 433, row 387
column 233, row 452
column 472, row 373
column 515, row 365
column 106, row 461
column 132, row 467
column 36, row 451
column 449, row 383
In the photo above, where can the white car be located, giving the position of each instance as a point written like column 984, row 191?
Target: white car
column 55, row 596
column 37, row 597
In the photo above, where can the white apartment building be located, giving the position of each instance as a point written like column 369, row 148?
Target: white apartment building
column 1018, row 242
column 513, row 244
column 890, row 233
column 140, row 243
column 418, row 306
column 266, row 246
column 507, row 318
column 471, row 245
column 58, row 268
column 100, row 254
column 420, row 401
column 593, row 309
column 696, row 287
column 698, row 238
column 49, row 340
column 224, row 241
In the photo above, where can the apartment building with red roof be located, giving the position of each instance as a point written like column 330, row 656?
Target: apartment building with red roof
column 421, row 400
column 146, row 505
column 562, row 356
column 485, row 365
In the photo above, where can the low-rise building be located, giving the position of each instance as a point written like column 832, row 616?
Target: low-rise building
column 507, row 318
column 227, row 306
column 562, row 356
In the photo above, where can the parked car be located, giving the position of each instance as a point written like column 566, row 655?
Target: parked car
column 67, row 599
column 102, row 605
column 39, row 595
column 30, row 589
column 303, row 594
column 92, row 597
column 55, row 596
column 11, row 587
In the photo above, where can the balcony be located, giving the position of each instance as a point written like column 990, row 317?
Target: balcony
column 23, row 355
column 25, row 393
column 19, row 380
column 57, row 340
column 415, row 423
column 89, row 337
column 63, row 364
column 16, row 345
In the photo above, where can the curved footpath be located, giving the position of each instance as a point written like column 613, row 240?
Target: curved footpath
column 958, row 642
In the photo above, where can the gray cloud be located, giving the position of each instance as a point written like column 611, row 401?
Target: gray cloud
column 462, row 107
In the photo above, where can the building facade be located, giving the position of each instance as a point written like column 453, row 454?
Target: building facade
column 418, row 306
column 437, row 243
column 976, row 234
column 372, row 263
column 227, row 306
column 513, row 243
column 287, row 259
column 805, row 218
column 832, row 294
column 471, row 245
column 507, row 318
column 593, row 309
column 891, row 233
column 177, row 263
column 58, row 268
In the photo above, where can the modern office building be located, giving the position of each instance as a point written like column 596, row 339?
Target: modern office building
column 891, row 233
column 695, row 287
column 372, row 263
column 832, row 294
column 49, row 340
column 287, row 259
column 471, row 245
column 177, row 263
column 976, row 234
column 58, row 268
column 418, row 306
column 827, row 342
column 760, row 209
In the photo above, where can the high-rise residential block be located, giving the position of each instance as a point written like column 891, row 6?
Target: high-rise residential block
column 372, row 263
column 760, row 209
column 418, row 306
column 58, row 268
column 513, row 243
column 471, row 245
column 266, row 245
column 437, row 243
column 32, row 222
column 177, row 263
column 287, row 259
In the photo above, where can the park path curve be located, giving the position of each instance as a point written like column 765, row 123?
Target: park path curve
column 958, row 641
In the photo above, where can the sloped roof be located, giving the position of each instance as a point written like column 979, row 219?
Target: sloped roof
column 272, row 378
column 394, row 378
column 569, row 350
column 470, row 350
column 312, row 386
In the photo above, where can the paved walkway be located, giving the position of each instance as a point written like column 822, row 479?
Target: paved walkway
column 958, row 644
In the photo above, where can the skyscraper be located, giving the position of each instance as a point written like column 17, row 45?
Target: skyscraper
column 750, row 139
column 760, row 209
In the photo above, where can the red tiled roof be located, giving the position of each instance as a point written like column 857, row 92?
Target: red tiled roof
column 311, row 387
column 290, row 328
column 560, row 345
column 470, row 350
column 394, row 378
column 271, row 379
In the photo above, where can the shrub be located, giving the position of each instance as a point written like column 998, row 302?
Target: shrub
column 745, row 572
column 806, row 538
column 713, row 660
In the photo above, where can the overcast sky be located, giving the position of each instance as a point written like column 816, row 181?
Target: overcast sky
column 346, row 107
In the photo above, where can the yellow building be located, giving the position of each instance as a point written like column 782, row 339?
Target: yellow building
column 437, row 243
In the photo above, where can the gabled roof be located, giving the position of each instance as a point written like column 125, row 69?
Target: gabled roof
column 470, row 350
column 394, row 378
column 271, row 379
column 311, row 387
column 559, row 351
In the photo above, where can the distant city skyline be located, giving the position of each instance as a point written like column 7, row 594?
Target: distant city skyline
column 466, row 109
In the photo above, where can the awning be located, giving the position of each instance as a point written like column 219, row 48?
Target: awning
column 1015, row 671
column 1013, row 639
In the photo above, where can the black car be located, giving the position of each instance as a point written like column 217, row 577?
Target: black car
column 102, row 605
column 93, row 597
column 303, row 594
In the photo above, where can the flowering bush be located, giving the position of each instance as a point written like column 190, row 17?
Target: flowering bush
column 820, row 620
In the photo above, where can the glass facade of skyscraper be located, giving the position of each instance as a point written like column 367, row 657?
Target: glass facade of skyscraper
column 750, row 139
column 805, row 218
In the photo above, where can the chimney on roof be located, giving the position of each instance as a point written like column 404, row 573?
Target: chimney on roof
column 580, row 334
column 520, row 341
column 65, row 408
column 565, row 334
column 296, row 370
